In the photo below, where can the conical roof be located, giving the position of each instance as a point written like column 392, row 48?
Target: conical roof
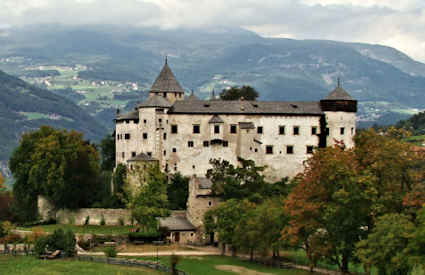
column 339, row 94
column 192, row 97
column 155, row 101
column 166, row 81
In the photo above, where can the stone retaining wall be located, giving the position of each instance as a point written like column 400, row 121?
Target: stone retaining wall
column 110, row 216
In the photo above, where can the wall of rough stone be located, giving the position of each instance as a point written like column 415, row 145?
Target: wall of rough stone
column 78, row 217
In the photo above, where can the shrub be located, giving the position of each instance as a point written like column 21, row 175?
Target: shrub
column 174, row 260
column 87, row 221
column 110, row 251
column 102, row 220
column 71, row 220
column 121, row 221
column 145, row 236
column 59, row 240
column 84, row 244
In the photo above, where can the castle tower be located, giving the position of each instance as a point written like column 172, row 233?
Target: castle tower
column 340, row 112
column 167, row 86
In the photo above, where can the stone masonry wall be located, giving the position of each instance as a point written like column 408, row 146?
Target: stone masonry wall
column 78, row 217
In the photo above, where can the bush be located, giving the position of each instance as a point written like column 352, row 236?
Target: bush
column 110, row 251
column 87, row 221
column 121, row 221
column 102, row 220
column 59, row 240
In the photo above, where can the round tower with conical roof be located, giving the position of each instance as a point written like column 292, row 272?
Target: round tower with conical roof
column 340, row 117
column 167, row 86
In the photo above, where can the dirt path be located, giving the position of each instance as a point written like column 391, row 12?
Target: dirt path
column 240, row 270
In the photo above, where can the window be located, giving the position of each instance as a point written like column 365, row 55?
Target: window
column 133, row 154
column 225, row 143
column 233, row 129
column 342, row 130
column 145, row 135
column 165, row 136
column 127, row 136
column 296, row 130
column 209, row 203
column 281, row 130
column 118, row 137
column 328, row 131
column 123, row 154
column 193, row 166
column 165, row 152
column 352, row 131
column 289, row 149
column 145, row 121
column 314, row 130
column 190, row 143
column 309, row 149
column 269, row 149
column 196, row 129
column 160, row 120
column 206, row 143
column 174, row 149
column 174, row 129
column 216, row 129
column 259, row 129
column 150, row 154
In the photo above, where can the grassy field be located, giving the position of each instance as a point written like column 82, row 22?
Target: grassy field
column 218, row 265
column 84, row 229
column 29, row 265
column 417, row 140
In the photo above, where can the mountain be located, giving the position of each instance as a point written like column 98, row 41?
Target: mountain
column 24, row 107
column 104, row 67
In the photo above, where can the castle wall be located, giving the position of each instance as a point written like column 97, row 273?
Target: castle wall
column 338, row 120
column 78, row 217
column 246, row 143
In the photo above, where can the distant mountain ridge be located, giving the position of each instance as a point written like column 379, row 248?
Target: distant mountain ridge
column 388, row 84
column 24, row 107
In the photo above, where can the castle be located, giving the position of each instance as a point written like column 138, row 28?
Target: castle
column 183, row 134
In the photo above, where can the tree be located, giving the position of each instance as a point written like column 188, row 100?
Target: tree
column 57, row 164
column 107, row 146
column 328, row 207
column 151, row 202
column 230, row 182
column 236, row 93
column 178, row 192
column 2, row 185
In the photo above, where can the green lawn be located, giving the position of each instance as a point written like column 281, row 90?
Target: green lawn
column 207, row 265
column 84, row 229
column 29, row 265
column 417, row 140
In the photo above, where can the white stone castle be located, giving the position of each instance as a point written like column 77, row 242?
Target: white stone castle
column 183, row 134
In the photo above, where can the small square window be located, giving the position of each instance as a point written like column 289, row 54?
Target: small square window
column 342, row 130
column 145, row 135
column 196, row 129
column 216, row 129
column 165, row 136
column 269, row 149
column 255, row 150
column 127, row 136
column 206, row 143
column 190, row 143
column 174, row 129
column 309, row 149
column 225, row 143
column 289, row 149
column 296, row 130
column 233, row 129
column 259, row 129
column 281, row 130
column 133, row 154
column 314, row 130
column 150, row 154
column 174, row 149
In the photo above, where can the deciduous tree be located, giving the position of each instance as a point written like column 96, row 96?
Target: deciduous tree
column 236, row 92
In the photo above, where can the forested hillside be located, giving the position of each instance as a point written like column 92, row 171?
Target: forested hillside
column 24, row 107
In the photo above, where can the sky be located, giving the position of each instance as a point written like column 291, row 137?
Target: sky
column 396, row 23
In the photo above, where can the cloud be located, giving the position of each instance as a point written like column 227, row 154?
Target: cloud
column 395, row 23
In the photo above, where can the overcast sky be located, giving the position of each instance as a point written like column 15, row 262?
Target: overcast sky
column 396, row 23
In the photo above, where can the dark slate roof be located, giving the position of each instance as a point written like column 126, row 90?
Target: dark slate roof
column 176, row 223
column 246, row 125
column 216, row 119
column 142, row 157
column 130, row 115
column 166, row 81
column 245, row 107
column 339, row 94
column 155, row 101
column 192, row 97
column 205, row 183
